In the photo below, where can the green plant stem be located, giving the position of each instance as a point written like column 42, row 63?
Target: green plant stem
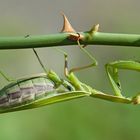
column 61, row 39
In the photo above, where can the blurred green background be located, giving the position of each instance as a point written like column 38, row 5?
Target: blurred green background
column 79, row 119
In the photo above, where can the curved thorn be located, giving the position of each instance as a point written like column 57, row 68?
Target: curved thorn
column 67, row 27
column 94, row 29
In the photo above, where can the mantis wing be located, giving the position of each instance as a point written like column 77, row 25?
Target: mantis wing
column 50, row 99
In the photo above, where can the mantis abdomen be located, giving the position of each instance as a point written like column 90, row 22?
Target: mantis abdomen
column 25, row 91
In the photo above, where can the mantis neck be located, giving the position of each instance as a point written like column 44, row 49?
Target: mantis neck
column 75, row 82
column 78, row 84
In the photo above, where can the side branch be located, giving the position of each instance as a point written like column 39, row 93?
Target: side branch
column 62, row 39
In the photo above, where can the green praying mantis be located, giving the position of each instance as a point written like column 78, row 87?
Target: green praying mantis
column 47, row 88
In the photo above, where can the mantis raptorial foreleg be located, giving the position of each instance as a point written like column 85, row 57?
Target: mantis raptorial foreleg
column 112, row 72
column 112, row 69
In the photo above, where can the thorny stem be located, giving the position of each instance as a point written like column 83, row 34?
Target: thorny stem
column 61, row 39
column 91, row 37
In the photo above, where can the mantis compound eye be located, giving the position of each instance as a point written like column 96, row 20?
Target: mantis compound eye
column 69, row 88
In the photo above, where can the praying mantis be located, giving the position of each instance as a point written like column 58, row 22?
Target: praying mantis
column 47, row 88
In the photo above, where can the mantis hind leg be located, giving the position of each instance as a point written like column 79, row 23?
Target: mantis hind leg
column 7, row 78
column 94, row 62
column 112, row 72
column 39, row 60
column 67, row 72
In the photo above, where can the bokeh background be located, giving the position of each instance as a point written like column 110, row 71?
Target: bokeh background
column 79, row 119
